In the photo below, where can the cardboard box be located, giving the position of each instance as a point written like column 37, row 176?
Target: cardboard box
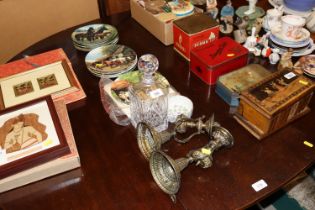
column 194, row 32
column 160, row 25
column 220, row 57
column 274, row 102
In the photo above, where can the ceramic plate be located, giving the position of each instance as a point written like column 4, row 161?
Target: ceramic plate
column 290, row 44
column 98, row 44
column 307, row 63
column 94, row 34
column 97, row 74
column 181, row 9
column 88, row 49
column 304, row 51
column 302, row 41
column 111, row 60
column 308, row 74
column 273, row 44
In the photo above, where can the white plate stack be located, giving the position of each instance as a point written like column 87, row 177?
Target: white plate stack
column 304, row 45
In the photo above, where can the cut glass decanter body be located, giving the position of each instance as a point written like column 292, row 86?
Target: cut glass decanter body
column 148, row 98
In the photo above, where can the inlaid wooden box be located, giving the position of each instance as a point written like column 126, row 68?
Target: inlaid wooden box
column 274, row 102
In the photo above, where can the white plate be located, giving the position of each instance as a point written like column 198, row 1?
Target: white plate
column 289, row 44
column 303, row 52
column 305, row 36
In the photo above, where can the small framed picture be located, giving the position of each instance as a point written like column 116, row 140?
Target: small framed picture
column 30, row 134
column 55, row 78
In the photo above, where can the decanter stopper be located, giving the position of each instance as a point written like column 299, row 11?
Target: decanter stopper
column 148, row 64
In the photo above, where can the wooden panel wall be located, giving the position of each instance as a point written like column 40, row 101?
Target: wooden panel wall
column 116, row 6
column 24, row 22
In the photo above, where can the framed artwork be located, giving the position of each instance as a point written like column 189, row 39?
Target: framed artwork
column 55, row 78
column 30, row 134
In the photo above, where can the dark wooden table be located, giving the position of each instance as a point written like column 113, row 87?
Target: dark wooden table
column 114, row 175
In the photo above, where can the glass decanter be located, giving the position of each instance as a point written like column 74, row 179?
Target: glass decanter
column 148, row 98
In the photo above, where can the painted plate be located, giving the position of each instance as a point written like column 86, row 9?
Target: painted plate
column 111, row 60
column 89, row 48
column 94, row 34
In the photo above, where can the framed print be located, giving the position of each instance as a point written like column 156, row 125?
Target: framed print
column 30, row 134
column 55, row 78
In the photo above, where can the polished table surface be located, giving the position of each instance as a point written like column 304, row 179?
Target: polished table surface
column 114, row 175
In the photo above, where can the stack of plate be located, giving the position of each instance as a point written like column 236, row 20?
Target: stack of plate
column 302, row 46
column 111, row 61
column 92, row 36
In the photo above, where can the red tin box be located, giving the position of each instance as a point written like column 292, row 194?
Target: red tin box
column 220, row 57
column 193, row 32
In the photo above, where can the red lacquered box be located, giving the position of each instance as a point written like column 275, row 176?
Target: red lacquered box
column 193, row 32
column 220, row 57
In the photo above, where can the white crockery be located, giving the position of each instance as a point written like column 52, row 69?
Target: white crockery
column 178, row 105
column 272, row 18
column 292, row 26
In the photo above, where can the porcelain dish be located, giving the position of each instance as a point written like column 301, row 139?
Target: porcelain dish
column 111, row 60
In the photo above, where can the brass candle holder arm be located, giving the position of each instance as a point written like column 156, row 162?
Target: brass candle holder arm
column 183, row 123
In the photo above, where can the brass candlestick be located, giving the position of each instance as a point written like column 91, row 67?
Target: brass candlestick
column 166, row 171
column 149, row 140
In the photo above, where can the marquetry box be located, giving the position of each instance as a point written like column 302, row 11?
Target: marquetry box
column 274, row 102
column 219, row 57
column 194, row 32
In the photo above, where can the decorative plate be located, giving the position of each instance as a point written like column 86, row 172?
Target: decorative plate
column 111, row 59
column 94, row 34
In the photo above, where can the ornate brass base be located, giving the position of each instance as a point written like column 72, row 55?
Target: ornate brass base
column 149, row 140
column 166, row 171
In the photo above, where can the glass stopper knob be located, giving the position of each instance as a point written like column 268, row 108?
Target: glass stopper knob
column 148, row 64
